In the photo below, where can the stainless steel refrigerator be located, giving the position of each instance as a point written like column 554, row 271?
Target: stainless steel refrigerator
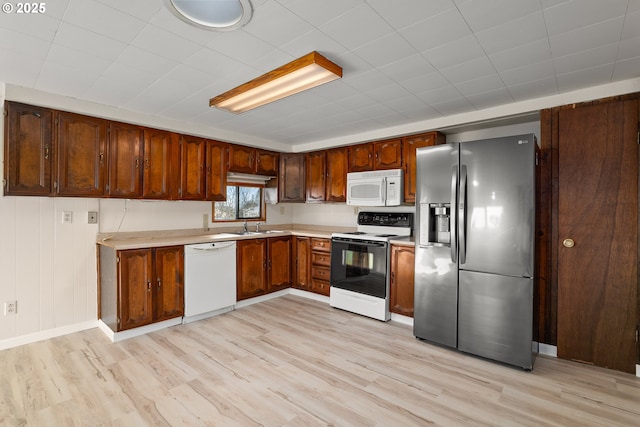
column 474, row 262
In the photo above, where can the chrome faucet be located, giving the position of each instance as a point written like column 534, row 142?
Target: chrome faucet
column 244, row 227
column 258, row 227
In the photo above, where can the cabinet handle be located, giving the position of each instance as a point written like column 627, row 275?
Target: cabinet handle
column 148, row 285
column 101, row 157
column 137, row 163
column 146, row 163
column 159, row 282
column 46, row 152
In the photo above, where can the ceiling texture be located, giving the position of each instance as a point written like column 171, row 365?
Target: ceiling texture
column 404, row 61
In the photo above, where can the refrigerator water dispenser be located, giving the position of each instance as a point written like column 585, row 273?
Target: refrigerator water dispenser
column 435, row 224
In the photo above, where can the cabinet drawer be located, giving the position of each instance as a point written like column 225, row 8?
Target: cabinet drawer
column 320, row 287
column 323, row 245
column 320, row 272
column 321, row 258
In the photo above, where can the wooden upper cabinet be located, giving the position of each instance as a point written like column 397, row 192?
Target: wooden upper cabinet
column 81, row 154
column 409, row 146
column 125, row 160
column 242, row 159
column 192, row 168
column 361, row 157
column 161, row 164
column 29, row 150
column 252, row 160
column 267, row 163
column 388, row 154
column 337, row 168
column 216, row 171
column 316, row 167
column 291, row 179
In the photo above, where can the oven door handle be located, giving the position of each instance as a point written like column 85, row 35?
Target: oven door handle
column 360, row 242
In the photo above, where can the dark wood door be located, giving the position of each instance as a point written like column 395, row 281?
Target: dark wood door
column 291, row 185
column 251, row 270
column 279, row 265
column 135, row 276
column 161, row 164
column 402, row 280
column 82, row 157
column 598, row 211
column 28, row 150
column 267, row 163
column 337, row 168
column 361, row 158
column 316, row 169
column 409, row 146
column 125, row 160
column 388, row 154
column 242, row 159
column 192, row 164
column 216, row 171
column 302, row 266
column 169, row 282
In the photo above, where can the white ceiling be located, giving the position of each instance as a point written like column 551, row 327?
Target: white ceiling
column 404, row 61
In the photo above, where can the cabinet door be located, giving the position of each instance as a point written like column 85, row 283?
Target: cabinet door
column 316, row 176
column 82, row 162
column 242, row 159
column 337, row 167
column 279, row 266
column 361, row 158
column 28, row 150
column 161, row 164
column 402, row 280
column 410, row 145
column 192, row 162
column 125, row 158
column 291, row 180
column 388, row 154
column 251, row 268
column 216, row 171
column 169, row 283
column 266, row 163
column 135, row 274
column 302, row 265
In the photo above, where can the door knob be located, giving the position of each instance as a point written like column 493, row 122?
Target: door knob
column 568, row 243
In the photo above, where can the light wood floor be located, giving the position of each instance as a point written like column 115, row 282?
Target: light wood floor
column 296, row 362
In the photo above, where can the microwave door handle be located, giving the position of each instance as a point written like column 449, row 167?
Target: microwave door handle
column 384, row 190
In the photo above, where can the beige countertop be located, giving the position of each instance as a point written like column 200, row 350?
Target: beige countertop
column 151, row 239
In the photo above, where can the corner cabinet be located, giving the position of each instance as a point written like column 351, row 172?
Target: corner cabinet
column 29, row 150
column 402, row 280
column 291, row 182
column 263, row 266
column 140, row 286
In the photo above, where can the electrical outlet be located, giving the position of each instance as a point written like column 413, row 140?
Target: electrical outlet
column 67, row 217
column 92, row 217
column 281, row 210
column 10, row 307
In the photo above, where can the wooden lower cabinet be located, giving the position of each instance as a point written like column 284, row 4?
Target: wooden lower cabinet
column 320, row 266
column 263, row 266
column 302, row 263
column 141, row 286
column 402, row 280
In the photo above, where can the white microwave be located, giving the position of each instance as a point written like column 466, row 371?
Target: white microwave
column 375, row 188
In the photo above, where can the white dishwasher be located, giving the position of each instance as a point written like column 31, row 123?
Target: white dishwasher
column 209, row 279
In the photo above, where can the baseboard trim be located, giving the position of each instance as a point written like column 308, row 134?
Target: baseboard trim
column 405, row 320
column 49, row 333
column 120, row 336
column 548, row 350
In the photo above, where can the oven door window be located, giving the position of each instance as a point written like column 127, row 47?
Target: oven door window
column 360, row 267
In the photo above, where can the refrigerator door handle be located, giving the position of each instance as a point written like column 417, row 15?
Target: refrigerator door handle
column 462, row 209
column 454, row 214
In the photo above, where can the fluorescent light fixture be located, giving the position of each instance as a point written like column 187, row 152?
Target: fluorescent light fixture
column 304, row 73
column 221, row 15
